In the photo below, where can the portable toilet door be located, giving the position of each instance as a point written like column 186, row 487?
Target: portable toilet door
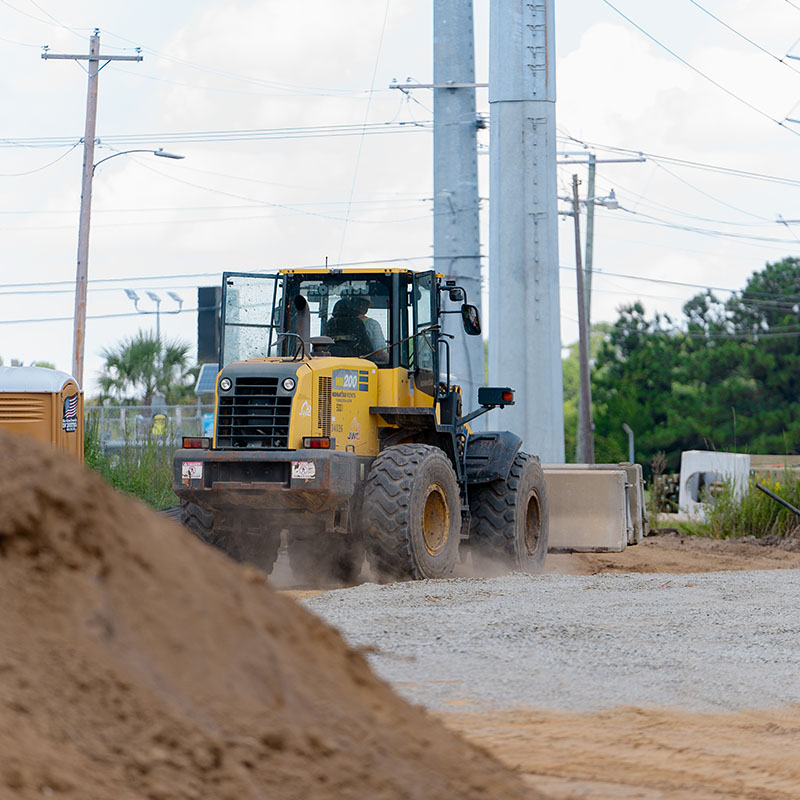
column 42, row 403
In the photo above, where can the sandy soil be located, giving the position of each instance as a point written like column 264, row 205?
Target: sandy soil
column 137, row 663
column 673, row 553
column 647, row 754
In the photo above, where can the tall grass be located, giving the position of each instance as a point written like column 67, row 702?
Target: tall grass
column 754, row 513
column 141, row 468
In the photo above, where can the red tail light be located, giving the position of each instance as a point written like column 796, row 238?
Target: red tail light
column 508, row 397
column 317, row 442
column 197, row 442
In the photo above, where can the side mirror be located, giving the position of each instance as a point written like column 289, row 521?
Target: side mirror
column 471, row 319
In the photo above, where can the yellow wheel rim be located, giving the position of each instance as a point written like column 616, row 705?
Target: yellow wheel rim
column 435, row 520
column 533, row 524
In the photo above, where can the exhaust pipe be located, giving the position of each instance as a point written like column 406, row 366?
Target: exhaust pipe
column 303, row 319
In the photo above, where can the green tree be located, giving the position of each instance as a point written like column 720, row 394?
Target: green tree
column 141, row 366
column 570, row 371
column 634, row 383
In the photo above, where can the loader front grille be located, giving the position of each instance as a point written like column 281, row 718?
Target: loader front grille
column 254, row 416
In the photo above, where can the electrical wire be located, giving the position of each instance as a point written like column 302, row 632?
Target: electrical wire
column 131, row 278
column 742, row 36
column 39, row 169
column 700, row 72
column 242, row 135
column 361, row 141
column 700, row 165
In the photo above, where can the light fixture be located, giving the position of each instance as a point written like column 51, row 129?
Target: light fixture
column 165, row 154
column 289, row 384
column 225, row 384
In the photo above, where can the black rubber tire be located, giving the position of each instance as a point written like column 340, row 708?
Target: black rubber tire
column 509, row 522
column 326, row 558
column 203, row 523
column 409, row 487
column 200, row 521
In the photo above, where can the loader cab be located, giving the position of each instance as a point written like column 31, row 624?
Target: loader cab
column 389, row 317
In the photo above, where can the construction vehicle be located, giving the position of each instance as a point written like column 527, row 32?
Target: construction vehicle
column 42, row 403
column 336, row 421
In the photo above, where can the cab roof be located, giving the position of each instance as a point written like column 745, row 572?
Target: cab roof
column 354, row 271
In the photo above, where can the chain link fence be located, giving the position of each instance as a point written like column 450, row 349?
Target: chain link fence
column 118, row 426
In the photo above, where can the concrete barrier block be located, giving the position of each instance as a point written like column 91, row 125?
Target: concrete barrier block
column 589, row 509
column 638, row 524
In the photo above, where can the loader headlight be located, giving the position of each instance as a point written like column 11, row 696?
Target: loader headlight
column 225, row 384
column 289, row 384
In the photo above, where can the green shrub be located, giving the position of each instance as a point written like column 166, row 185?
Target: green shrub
column 142, row 469
column 752, row 514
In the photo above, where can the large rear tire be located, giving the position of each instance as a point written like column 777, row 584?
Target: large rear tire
column 243, row 544
column 510, row 519
column 411, row 516
column 326, row 557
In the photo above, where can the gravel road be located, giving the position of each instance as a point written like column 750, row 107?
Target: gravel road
column 704, row 642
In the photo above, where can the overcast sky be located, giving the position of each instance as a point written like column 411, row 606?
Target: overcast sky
column 239, row 69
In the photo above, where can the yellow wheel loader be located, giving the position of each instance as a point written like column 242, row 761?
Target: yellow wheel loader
column 337, row 422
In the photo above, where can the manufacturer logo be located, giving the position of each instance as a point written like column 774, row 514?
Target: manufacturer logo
column 305, row 409
column 355, row 431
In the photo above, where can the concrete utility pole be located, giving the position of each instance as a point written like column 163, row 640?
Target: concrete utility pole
column 456, row 228
column 585, row 425
column 93, row 58
column 525, row 317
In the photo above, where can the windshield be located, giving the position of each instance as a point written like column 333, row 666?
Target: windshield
column 353, row 311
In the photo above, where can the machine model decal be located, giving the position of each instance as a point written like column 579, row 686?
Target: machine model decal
column 69, row 421
column 305, row 409
column 350, row 380
column 191, row 471
column 303, row 470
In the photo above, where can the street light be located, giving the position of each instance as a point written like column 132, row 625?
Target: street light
column 156, row 298
column 79, row 328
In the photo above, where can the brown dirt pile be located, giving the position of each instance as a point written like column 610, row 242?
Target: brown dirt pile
column 649, row 754
column 136, row 662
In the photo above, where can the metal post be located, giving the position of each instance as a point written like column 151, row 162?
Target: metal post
column 525, row 317
column 585, row 434
column 587, row 268
column 456, row 229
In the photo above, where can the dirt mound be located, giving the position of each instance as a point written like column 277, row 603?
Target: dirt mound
column 135, row 662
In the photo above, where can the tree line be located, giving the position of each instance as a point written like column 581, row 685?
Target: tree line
column 726, row 376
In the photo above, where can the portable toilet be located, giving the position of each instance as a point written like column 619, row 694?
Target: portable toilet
column 43, row 403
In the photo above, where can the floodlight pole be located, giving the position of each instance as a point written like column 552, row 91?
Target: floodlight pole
column 93, row 59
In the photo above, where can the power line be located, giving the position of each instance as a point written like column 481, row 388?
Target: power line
column 218, row 273
column 241, row 135
column 698, row 71
column 361, row 142
column 39, row 169
column 685, row 162
column 742, row 36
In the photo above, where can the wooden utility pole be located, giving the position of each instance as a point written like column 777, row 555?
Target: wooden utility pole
column 585, row 428
column 93, row 58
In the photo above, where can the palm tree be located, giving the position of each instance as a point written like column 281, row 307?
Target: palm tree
column 141, row 366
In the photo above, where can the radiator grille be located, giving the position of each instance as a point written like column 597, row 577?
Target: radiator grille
column 324, row 406
column 22, row 410
column 253, row 416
